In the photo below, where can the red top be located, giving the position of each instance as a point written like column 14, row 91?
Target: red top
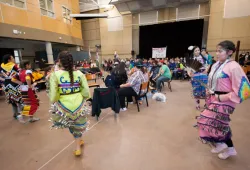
column 85, row 65
column 23, row 76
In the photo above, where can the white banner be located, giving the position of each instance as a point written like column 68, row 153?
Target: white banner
column 159, row 52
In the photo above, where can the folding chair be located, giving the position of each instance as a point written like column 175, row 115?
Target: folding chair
column 144, row 88
column 91, row 77
column 169, row 85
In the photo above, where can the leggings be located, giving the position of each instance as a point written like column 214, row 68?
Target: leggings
column 229, row 143
column 16, row 107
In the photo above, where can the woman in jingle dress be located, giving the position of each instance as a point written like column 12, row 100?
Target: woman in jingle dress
column 9, row 70
column 199, row 92
column 228, row 86
column 68, row 90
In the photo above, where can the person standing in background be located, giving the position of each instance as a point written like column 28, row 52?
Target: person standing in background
column 207, row 56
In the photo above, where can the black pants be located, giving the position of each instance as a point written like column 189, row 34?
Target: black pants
column 229, row 143
column 126, row 92
column 152, row 81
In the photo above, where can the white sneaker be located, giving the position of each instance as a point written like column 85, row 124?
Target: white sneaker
column 20, row 119
column 123, row 109
column 229, row 152
column 219, row 147
column 33, row 119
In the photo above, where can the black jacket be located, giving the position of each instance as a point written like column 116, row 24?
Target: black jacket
column 104, row 98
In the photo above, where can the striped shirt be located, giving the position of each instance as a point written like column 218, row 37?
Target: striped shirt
column 136, row 79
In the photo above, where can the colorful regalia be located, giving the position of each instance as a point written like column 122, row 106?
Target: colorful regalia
column 11, row 89
column 68, row 109
column 228, row 80
column 199, row 92
column 29, row 97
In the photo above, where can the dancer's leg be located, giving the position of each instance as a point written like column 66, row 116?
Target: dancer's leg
column 197, row 102
column 230, row 151
column 78, row 141
column 15, row 110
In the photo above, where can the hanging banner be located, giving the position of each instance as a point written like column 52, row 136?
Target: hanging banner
column 159, row 52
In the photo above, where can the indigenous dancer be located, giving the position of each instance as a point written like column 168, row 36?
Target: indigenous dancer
column 9, row 70
column 68, row 90
column 199, row 92
column 228, row 86
column 29, row 97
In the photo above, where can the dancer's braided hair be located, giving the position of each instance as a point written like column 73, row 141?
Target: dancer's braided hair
column 66, row 61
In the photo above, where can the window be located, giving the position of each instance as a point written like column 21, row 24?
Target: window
column 17, row 3
column 46, row 7
column 66, row 15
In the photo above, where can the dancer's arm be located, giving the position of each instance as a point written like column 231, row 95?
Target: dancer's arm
column 240, row 86
column 15, row 80
column 84, row 86
column 53, row 91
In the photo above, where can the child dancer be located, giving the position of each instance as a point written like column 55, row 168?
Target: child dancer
column 199, row 92
column 228, row 86
column 29, row 97
column 68, row 90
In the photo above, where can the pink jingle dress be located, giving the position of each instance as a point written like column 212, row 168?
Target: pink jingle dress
column 231, row 82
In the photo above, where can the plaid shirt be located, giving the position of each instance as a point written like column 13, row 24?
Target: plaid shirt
column 135, row 80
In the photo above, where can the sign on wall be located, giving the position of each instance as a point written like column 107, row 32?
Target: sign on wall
column 159, row 52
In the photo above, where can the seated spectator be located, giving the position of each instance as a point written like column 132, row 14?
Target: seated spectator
column 153, row 73
column 131, row 65
column 110, row 64
column 177, row 68
column 85, row 64
column 182, row 71
column 119, row 75
column 163, row 76
column 247, row 57
column 132, row 87
column 145, row 63
column 116, row 63
column 242, row 60
column 171, row 64
column 127, row 62
column 166, row 62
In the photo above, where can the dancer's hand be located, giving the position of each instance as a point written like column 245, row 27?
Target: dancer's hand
column 209, row 92
column 34, row 85
column 191, row 74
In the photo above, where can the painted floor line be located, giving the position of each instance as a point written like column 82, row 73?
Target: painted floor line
column 73, row 142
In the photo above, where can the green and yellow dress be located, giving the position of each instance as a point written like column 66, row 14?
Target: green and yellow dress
column 68, row 109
